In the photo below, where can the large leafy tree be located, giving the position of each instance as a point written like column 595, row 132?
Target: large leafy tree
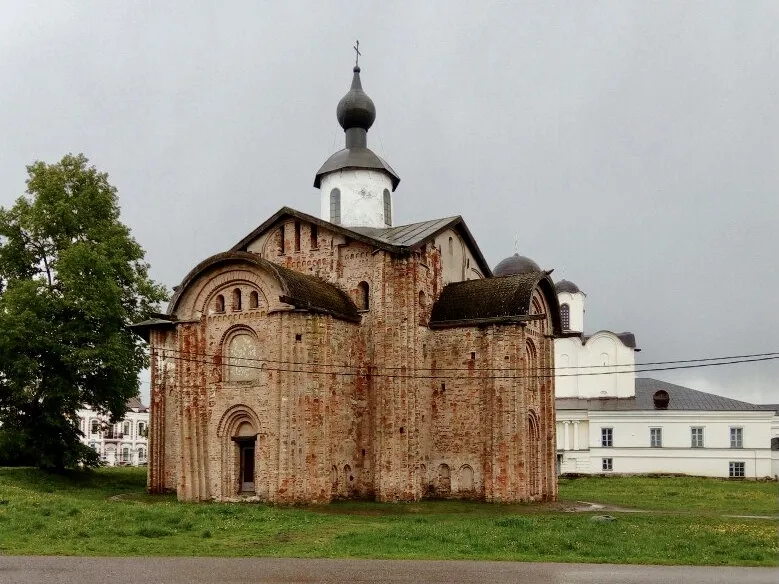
column 71, row 279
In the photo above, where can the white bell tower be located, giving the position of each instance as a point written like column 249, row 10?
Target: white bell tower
column 356, row 184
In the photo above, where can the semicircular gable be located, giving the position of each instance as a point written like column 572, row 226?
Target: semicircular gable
column 299, row 290
column 492, row 299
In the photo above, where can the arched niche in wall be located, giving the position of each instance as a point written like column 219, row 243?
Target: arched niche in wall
column 240, row 350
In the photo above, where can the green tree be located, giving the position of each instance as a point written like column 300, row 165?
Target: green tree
column 71, row 279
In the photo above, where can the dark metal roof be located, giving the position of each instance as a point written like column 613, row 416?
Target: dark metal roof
column 627, row 338
column 681, row 399
column 515, row 264
column 407, row 235
column 774, row 407
column 356, row 158
column 300, row 290
column 492, row 300
column 567, row 286
column 399, row 240
column 356, row 109
column 356, row 114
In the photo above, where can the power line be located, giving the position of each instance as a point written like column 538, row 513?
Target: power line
column 367, row 372
column 476, row 369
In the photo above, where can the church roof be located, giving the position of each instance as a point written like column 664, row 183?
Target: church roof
column 516, row 264
column 567, row 286
column 360, row 158
column 397, row 240
column 681, row 399
column 492, row 300
column 300, row 290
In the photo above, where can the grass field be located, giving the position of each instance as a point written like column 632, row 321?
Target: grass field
column 108, row 513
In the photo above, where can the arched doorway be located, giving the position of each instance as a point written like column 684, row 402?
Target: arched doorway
column 245, row 440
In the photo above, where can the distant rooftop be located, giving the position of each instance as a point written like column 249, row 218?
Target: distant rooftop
column 681, row 399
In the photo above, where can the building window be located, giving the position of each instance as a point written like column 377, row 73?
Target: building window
column 141, row 430
column 314, row 237
column 607, row 464
column 94, row 427
column 696, row 437
column 281, row 240
column 126, row 428
column 363, row 296
column 219, row 305
column 451, row 246
column 565, row 316
column 141, row 455
column 736, row 470
column 656, row 437
column 236, row 299
column 737, row 437
column 607, row 437
column 125, row 455
column 335, row 206
column 387, row 208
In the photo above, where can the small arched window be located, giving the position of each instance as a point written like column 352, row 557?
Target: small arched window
column 363, row 296
column 254, row 299
column 219, row 304
column 565, row 316
column 141, row 454
column 236, row 299
column 387, row 208
column 421, row 298
column 451, row 246
column 335, row 206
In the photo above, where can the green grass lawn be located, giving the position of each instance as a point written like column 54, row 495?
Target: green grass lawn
column 81, row 514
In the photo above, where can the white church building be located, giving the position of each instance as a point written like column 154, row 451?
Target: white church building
column 609, row 421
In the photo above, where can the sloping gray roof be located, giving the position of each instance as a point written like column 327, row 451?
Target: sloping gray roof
column 407, row 235
column 136, row 403
column 399, row 240
column 493, row 300
column 356, row 158
column 774, row 407
column 681, row 399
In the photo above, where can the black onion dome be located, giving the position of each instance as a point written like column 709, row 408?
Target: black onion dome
column 567, row 286
column 356, row 109
column 514, row 265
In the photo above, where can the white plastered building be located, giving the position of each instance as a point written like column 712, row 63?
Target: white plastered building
column 124, row 443
column 609, row 421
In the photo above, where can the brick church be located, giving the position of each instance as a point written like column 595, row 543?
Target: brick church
column 342, row 356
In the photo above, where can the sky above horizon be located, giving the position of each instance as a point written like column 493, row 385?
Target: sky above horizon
column 630, row 146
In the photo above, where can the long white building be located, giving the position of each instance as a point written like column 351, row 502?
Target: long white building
column 122, row 443
column 609, row 421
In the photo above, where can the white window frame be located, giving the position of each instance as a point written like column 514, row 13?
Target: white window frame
column 656, row 437
column 737, row 472
column 736, row 437
column 607, row 464
column 610, row 432
column 697, row 437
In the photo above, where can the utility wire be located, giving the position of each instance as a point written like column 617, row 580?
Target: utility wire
column 367, row 372
column 476, row 369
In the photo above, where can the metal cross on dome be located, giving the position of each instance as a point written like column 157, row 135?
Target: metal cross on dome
column 357, row 56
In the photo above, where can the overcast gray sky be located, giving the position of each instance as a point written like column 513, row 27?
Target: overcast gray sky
column 631, row 146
